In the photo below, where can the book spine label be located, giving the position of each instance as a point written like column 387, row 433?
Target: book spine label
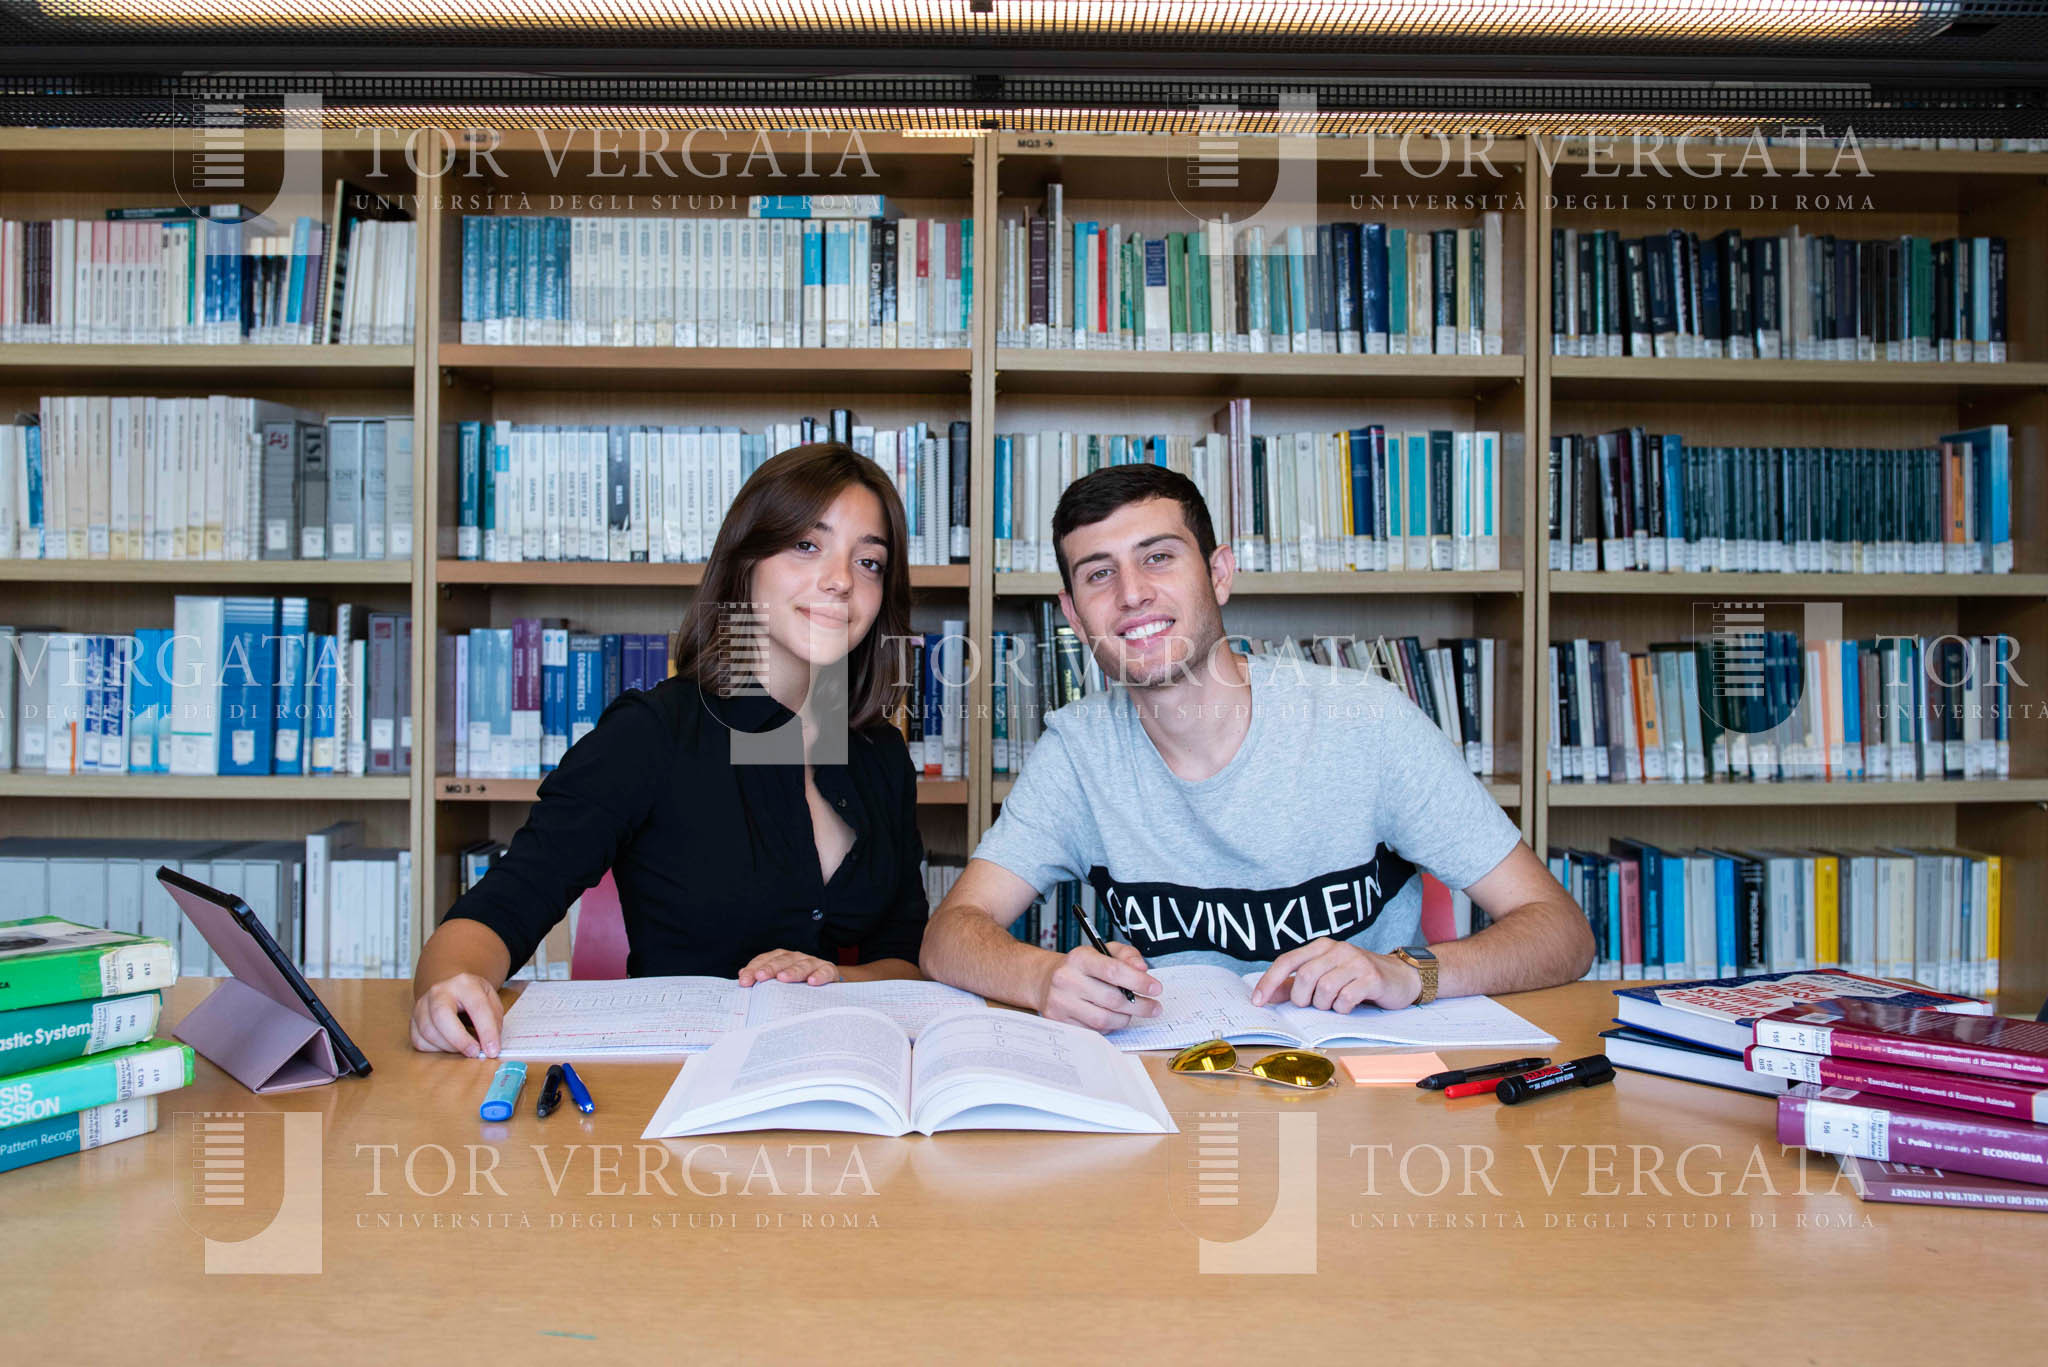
column 143, row 1070
column 89, row 1129
column 40, row 1036
column 1913, row 1052
column 93, row 972
column 1954, row 1090
column 1830, row 1120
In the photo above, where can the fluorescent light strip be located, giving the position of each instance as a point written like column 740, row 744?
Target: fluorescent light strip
column 1023, row 19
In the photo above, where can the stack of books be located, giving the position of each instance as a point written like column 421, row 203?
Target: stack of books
column 79, row 1064
column 1698, row 1030
column 1881, row 1084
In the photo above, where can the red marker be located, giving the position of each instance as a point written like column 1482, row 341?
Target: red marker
column 1479, row 1088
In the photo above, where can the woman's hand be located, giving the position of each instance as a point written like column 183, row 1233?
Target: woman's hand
column 788, row 966
column 436, row 1024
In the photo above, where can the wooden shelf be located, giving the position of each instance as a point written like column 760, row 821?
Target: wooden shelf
column 1820, row 157
column 1797, row 794
column 931, row 792
column 1383, row 151
column 126, row 366
column 1801, row 585
column 1044, row 584
column 227, row 572
column 251, row 788
column 603, row 574
column 1658, row 379
column 714, row 369
column 1022, row 370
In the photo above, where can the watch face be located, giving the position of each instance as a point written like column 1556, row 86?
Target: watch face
column 1421, row 953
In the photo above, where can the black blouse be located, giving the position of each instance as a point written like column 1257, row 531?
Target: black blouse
column 715, row 862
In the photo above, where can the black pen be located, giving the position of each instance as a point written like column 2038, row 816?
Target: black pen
column 1096, row 940
column 1436, row 1082
column 550, row 1093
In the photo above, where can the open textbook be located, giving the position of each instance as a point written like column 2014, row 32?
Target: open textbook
column 670, row 1018
column 854, row 1070
column 1206, row 1002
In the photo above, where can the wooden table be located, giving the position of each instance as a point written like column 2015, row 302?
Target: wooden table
column 1621, row 1223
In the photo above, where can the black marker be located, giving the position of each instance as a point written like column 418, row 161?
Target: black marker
column 550, row 1093
column 1436, row 1082
column 1589, row 1071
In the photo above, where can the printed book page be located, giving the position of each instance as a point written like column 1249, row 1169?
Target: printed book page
column 1004, row 1070
column 912, row 1004
column 625, row 1018
column 668, row 1018
column 846, row 1069
column 1201, row 1002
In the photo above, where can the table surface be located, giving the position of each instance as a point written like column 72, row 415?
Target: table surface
column 1607, row 1224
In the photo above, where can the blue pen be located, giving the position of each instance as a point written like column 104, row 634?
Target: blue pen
column 578, row 1093
column 505, row 1087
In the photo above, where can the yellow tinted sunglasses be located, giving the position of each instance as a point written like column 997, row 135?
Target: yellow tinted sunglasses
column 1297, row 1068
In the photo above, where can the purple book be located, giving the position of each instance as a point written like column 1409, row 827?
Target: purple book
column 1840, row 1120
column 1911, row 1185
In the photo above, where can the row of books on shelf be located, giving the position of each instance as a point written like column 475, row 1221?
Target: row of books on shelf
column 657, row 494
column 1635, row 500
column 177, row 276
column 1456, row 682
column 1923, row 1096
column 336, row 906
column 768, row 280
column 1764, row 706
column 224, row 477
column 1317, row 289
column 236, row 686
column 512, row 700
column 1797, row 296
column 1928, row 914
column 1360, row 499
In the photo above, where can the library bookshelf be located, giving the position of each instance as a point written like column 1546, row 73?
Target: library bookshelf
column 1136, row 180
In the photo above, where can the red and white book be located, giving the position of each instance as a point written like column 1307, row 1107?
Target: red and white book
column 1957, row 1091
column 1881, row 1032
column 1842, row 1120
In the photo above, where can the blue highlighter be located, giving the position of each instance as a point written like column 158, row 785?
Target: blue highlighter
column 504, row 1093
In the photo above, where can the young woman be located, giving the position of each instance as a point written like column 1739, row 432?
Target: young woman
column 756, row 810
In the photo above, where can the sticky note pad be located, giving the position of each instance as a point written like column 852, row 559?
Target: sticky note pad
column 1391, row 1070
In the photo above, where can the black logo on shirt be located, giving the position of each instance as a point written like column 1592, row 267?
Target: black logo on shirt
column 1247, row 923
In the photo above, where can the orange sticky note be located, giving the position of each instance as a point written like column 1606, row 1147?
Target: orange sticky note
column 1391, row 1070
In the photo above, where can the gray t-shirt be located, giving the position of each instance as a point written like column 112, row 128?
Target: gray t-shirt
column 1340, row 790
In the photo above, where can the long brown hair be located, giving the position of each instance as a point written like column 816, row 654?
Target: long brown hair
column 775, row 508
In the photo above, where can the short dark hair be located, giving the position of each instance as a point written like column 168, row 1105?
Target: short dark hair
column 1094, row 496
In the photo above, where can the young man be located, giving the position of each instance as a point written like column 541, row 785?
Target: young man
column 1238, row 811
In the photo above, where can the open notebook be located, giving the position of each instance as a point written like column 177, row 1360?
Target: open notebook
column 669, row 1018
column 855, row 1070
column 1206, row 1002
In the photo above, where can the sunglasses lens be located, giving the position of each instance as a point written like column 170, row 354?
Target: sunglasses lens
column 1296, row 1068
column 1216, row 1056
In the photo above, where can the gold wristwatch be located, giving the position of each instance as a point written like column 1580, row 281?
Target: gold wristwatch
column 1423, row 962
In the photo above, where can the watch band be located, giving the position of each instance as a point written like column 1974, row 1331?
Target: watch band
column 1426, row 969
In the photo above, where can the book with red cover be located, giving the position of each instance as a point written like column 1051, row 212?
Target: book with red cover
column 1721, row 1013
column 1842, row 1120
column 1957, row 1091
column 1883, row 1032
column 1912, row 1185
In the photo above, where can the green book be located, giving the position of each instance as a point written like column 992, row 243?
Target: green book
column 38, row 1036
column 1198, row 288
column 46, row 959
column 1397, row 290
column 139, row 1070
column 42, row 1140
column 1177, row 287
